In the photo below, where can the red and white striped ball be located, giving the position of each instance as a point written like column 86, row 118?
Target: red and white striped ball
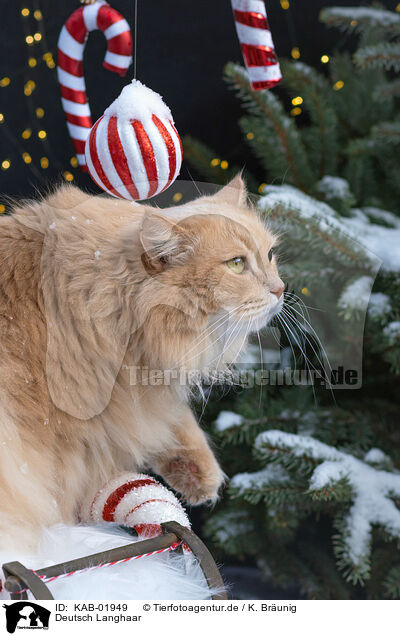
column 134, row 150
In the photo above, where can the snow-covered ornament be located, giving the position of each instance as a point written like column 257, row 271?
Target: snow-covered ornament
column 137, row 501
column 97, row 15
column 257, row 45
column 134, row 150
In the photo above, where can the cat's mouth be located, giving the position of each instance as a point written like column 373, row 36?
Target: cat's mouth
column 258, row 315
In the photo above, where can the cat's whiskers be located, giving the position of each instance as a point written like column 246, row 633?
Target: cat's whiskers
column 204, row 335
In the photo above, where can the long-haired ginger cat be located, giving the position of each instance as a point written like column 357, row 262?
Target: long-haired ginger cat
column 91, row 290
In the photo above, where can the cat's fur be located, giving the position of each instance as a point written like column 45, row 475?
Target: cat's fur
column 91, row 287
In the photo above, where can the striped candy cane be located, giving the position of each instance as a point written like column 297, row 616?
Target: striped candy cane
column 71, row 44
column 256, row 41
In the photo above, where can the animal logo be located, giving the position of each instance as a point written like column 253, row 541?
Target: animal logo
column 26, row 615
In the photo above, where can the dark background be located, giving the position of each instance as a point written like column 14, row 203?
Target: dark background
column 182, row 47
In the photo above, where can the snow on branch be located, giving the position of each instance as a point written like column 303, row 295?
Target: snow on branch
column 356, row 17
column 373, row 489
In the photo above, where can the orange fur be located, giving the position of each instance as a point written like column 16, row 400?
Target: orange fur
column 90, row 288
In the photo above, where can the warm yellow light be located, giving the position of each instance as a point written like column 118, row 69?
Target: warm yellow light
column 250, row 135
column 215, row 162
column 42, row 134
column 324, row 59
column 2, row 208
column 5, row 164
column 37, row 14
column 68, row 176
column 39, row 112
column 285, row 4
column 295, row 53
column 305, row 291
column 26, row 133
column 1, row 118
column 29, row 87
column 338, row 85
column 44, row 163
column 29, row 39
column 74, row 162
column 37, row 37
column 224, row 165
column 26, row 157
column 296, row 111
column 398, row 8
column 5, row 81
column 261, row 187
column 177, row 197
column 25, row 12
column 353, row 23
column 50, row 63
column 32, row 62
column 297, row 100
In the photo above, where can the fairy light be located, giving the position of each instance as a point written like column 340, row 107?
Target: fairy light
column 5, row 164
column 1, row 118
column 285, row 4
column 42, row 134
column 5, row 81
column 2, row 208
column 25, row 12
column 295, row 52
column 398, row 8
column 324, row 59
column 215, row 162
column 26, row 134
column 32, row 62
column 353, row 23
column 262, row 187
column 296, row 111
column 68, row 176
column 297, row 100
column 44, row 163
column 37, row 14
column 74, row 162
column 37, row 37
column 250, row 135
column 39, row 112
column 177, row 197
column 305, row 291
column 26, row 157
column 29, row 40
column 29, row 87
column 224, row 165
column 338, row 85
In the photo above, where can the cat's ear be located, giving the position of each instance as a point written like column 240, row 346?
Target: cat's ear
column 234, row 192
column 163, row 241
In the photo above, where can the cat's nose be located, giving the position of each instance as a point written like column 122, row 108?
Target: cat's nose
column 278, row 291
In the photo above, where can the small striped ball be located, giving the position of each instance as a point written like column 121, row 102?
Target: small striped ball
column 134, row 150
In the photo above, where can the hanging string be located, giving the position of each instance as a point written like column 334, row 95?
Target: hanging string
column 135, row 40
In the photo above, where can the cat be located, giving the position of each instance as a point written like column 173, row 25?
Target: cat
column 94, row 290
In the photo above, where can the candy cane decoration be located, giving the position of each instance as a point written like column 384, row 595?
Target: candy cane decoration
column 71, row 45
column 256, row 41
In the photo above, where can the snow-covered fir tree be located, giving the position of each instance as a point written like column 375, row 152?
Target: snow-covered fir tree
column 314, row 488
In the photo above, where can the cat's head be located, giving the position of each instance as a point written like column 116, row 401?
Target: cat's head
column 209, row 263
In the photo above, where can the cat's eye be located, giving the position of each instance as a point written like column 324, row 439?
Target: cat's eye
column 270, row 255
column 236, row 264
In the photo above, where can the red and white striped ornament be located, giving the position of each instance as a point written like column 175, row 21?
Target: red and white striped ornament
column 134, row 150
column 136, row 501
column 256, row 41
column 71, row 44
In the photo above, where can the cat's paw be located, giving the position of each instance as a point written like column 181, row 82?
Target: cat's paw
column 197, row 481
